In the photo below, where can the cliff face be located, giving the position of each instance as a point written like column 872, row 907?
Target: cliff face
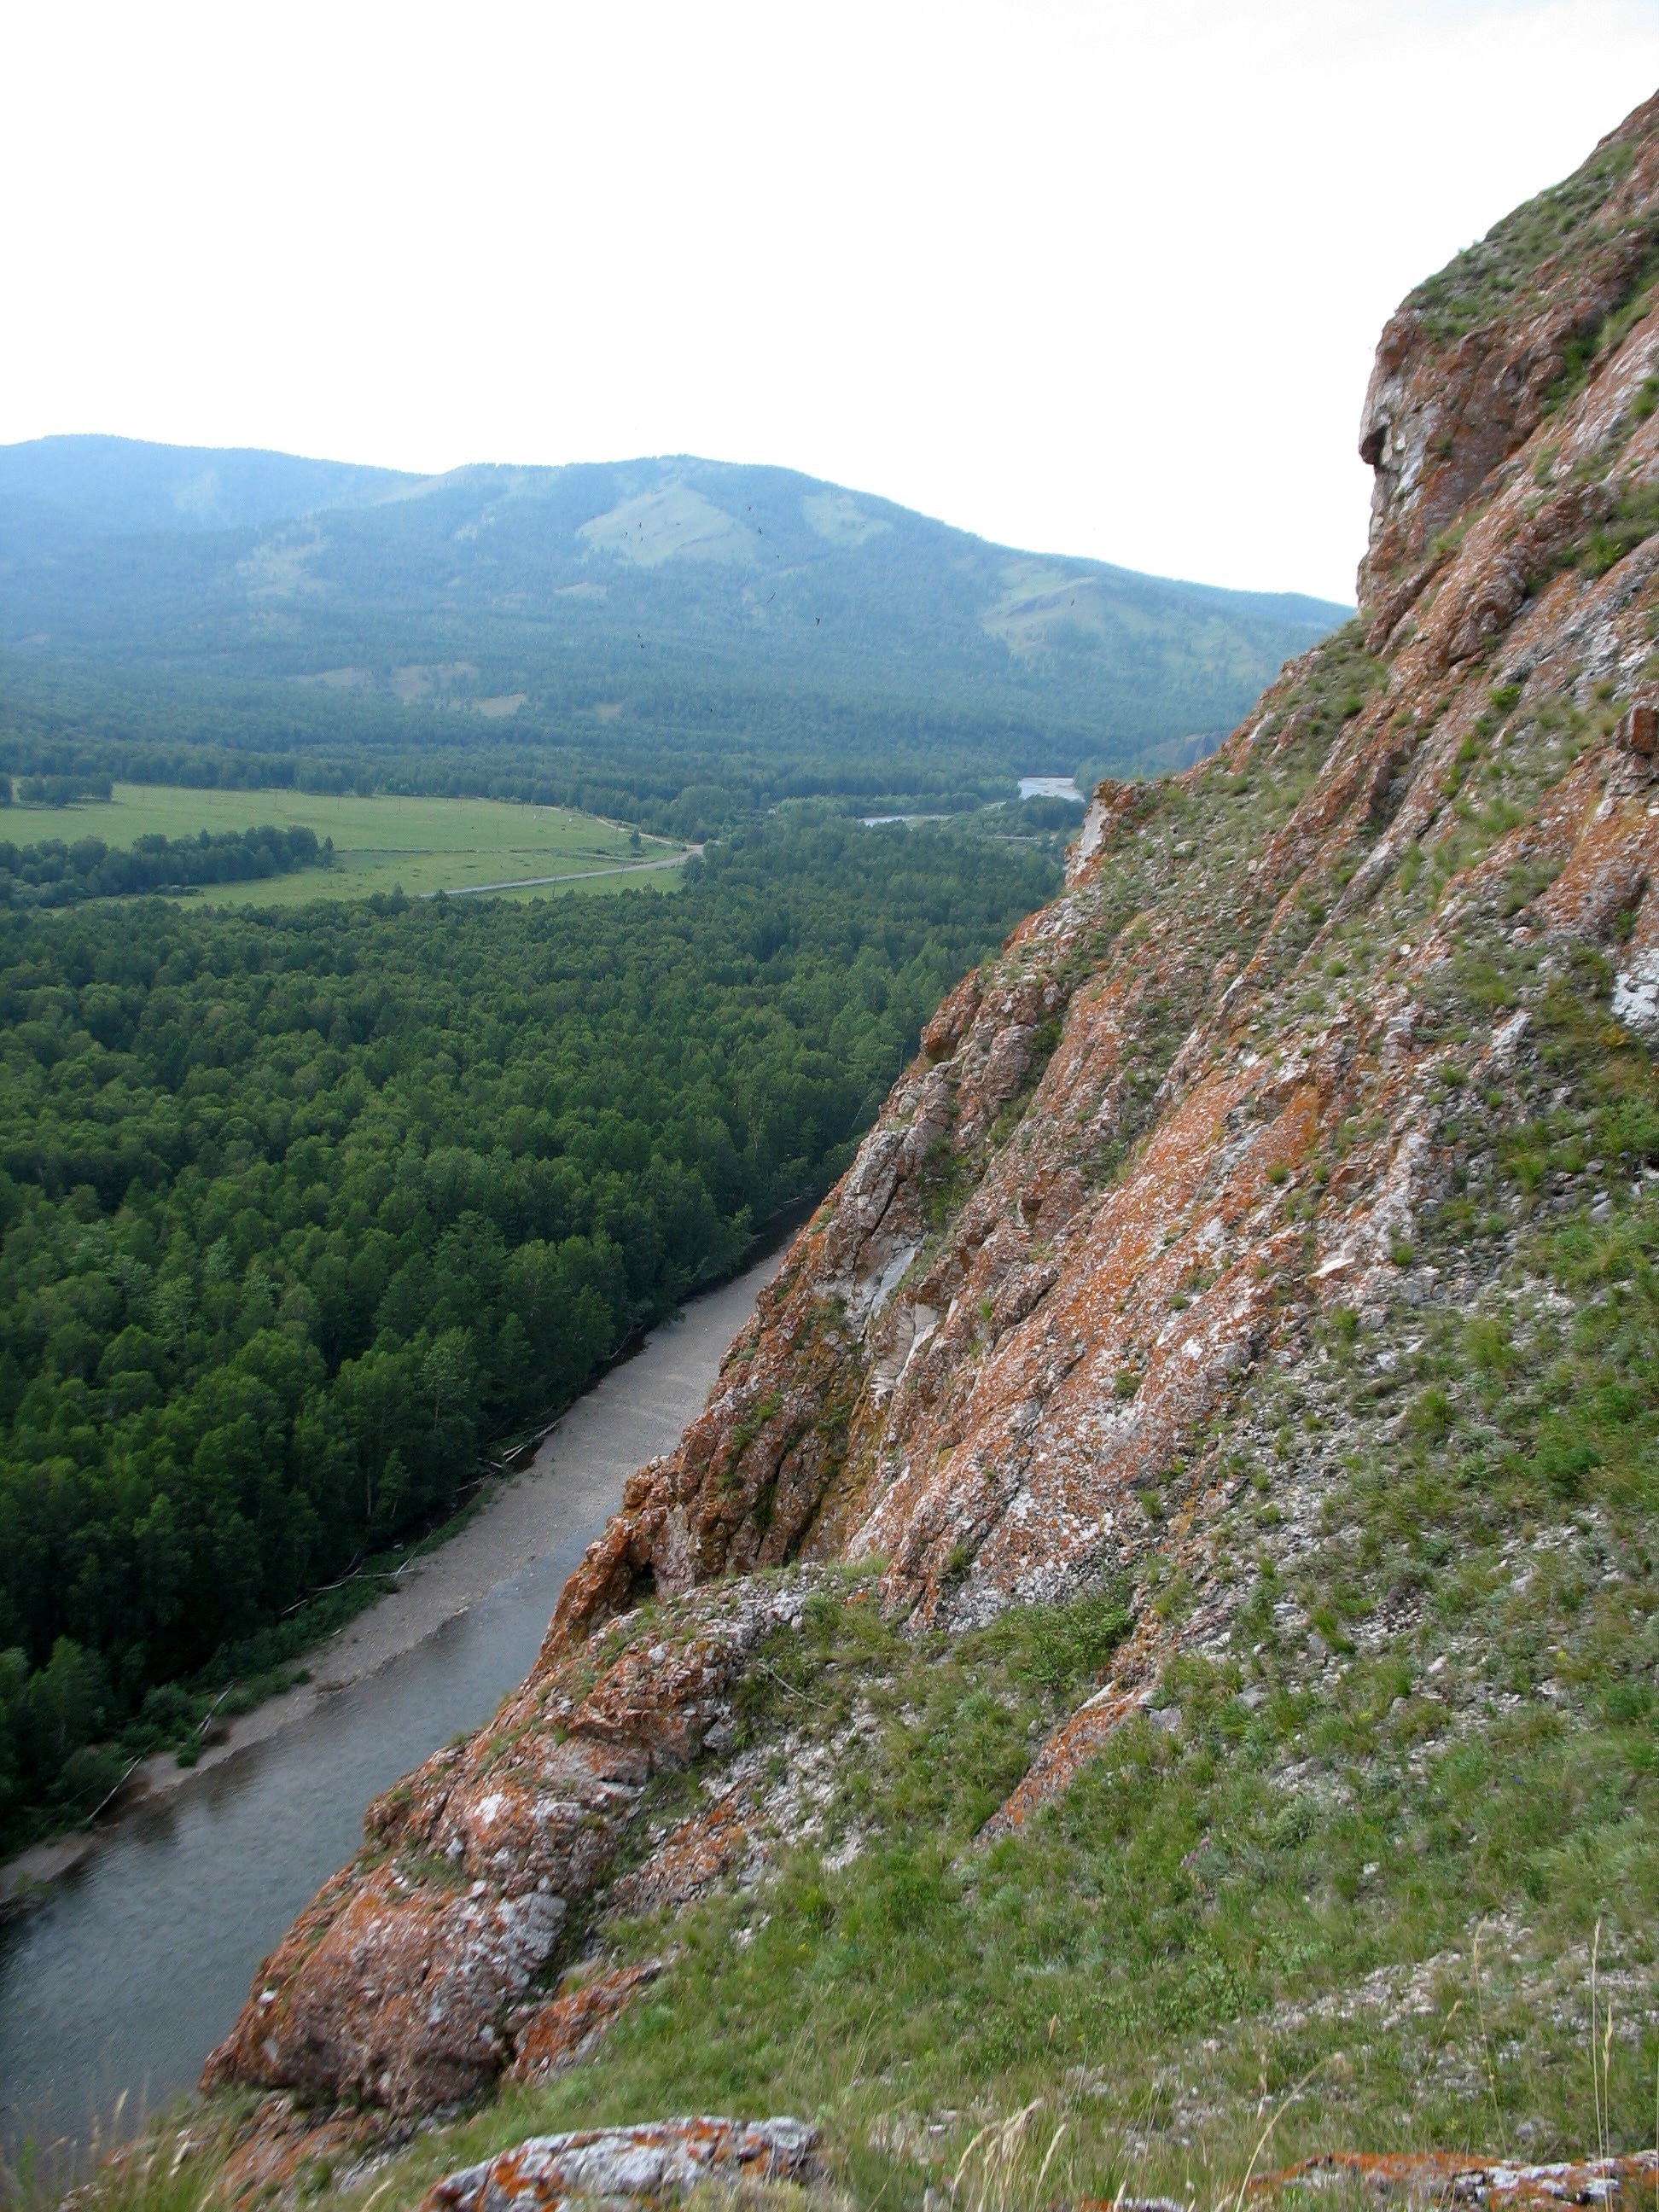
column 1205, row 1119
column 1483, row 354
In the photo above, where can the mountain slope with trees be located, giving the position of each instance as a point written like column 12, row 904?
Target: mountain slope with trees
column 635, row 631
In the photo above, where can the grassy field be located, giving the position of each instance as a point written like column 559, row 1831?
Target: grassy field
column 424, row 844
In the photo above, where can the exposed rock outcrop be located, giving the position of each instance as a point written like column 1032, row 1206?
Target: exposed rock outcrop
column 560, row 2032
column 1198, row 1102
column 1504, row 2185
column 626, row 2165
column 1480, row 356
column 395, row 1985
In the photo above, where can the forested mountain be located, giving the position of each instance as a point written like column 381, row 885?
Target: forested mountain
column 54, row 490
column 629, row 631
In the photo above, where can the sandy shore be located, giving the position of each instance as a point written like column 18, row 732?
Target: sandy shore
column 635, row 1411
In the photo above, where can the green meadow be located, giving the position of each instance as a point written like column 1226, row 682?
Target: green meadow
column 382, row 841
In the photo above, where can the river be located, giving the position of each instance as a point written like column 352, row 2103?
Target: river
column 135, row 1965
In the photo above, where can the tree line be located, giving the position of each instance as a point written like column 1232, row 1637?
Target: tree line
column 54, row 874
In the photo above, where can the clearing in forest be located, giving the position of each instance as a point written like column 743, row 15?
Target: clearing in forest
column 426, row 845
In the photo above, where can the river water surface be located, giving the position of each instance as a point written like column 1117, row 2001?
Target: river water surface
column 137, row 1963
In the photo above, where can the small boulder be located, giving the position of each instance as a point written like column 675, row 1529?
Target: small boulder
column 639, row 2165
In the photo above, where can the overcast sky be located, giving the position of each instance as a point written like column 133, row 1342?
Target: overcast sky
column 1081, row 275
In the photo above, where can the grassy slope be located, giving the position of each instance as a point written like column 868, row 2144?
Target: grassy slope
column 1491, row 276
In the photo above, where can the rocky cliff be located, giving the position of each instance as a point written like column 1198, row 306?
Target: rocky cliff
column 1248, row 1249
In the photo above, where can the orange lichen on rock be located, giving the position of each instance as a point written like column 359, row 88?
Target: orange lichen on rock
column 640, row 2164
column 562, row 2031
column 288, row 2150
column 1071, row 1746
column 689, row 1861
column 1445, row 410
column 1197, row 1104
column 395, row 1985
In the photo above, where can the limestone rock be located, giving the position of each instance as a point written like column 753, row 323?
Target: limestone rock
column 628, row 2165
column 560, row 2032
column 395, row 1985
column 1504, row 2185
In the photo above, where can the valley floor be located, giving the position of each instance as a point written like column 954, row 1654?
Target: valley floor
column 383, row 842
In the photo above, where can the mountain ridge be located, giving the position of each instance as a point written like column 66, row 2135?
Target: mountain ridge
column 114, row 486
column 606, row 589
column 25, row 461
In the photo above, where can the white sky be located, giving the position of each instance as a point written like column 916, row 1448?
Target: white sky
column 1090, row 276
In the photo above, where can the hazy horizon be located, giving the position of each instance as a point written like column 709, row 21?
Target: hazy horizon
column 1101, row 280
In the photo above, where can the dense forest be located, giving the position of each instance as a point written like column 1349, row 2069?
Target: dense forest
column 51, row 873
column 664, row 763
column 302, row 1209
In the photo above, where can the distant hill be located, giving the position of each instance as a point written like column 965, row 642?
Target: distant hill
column 121, row 486
column 628, row 611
